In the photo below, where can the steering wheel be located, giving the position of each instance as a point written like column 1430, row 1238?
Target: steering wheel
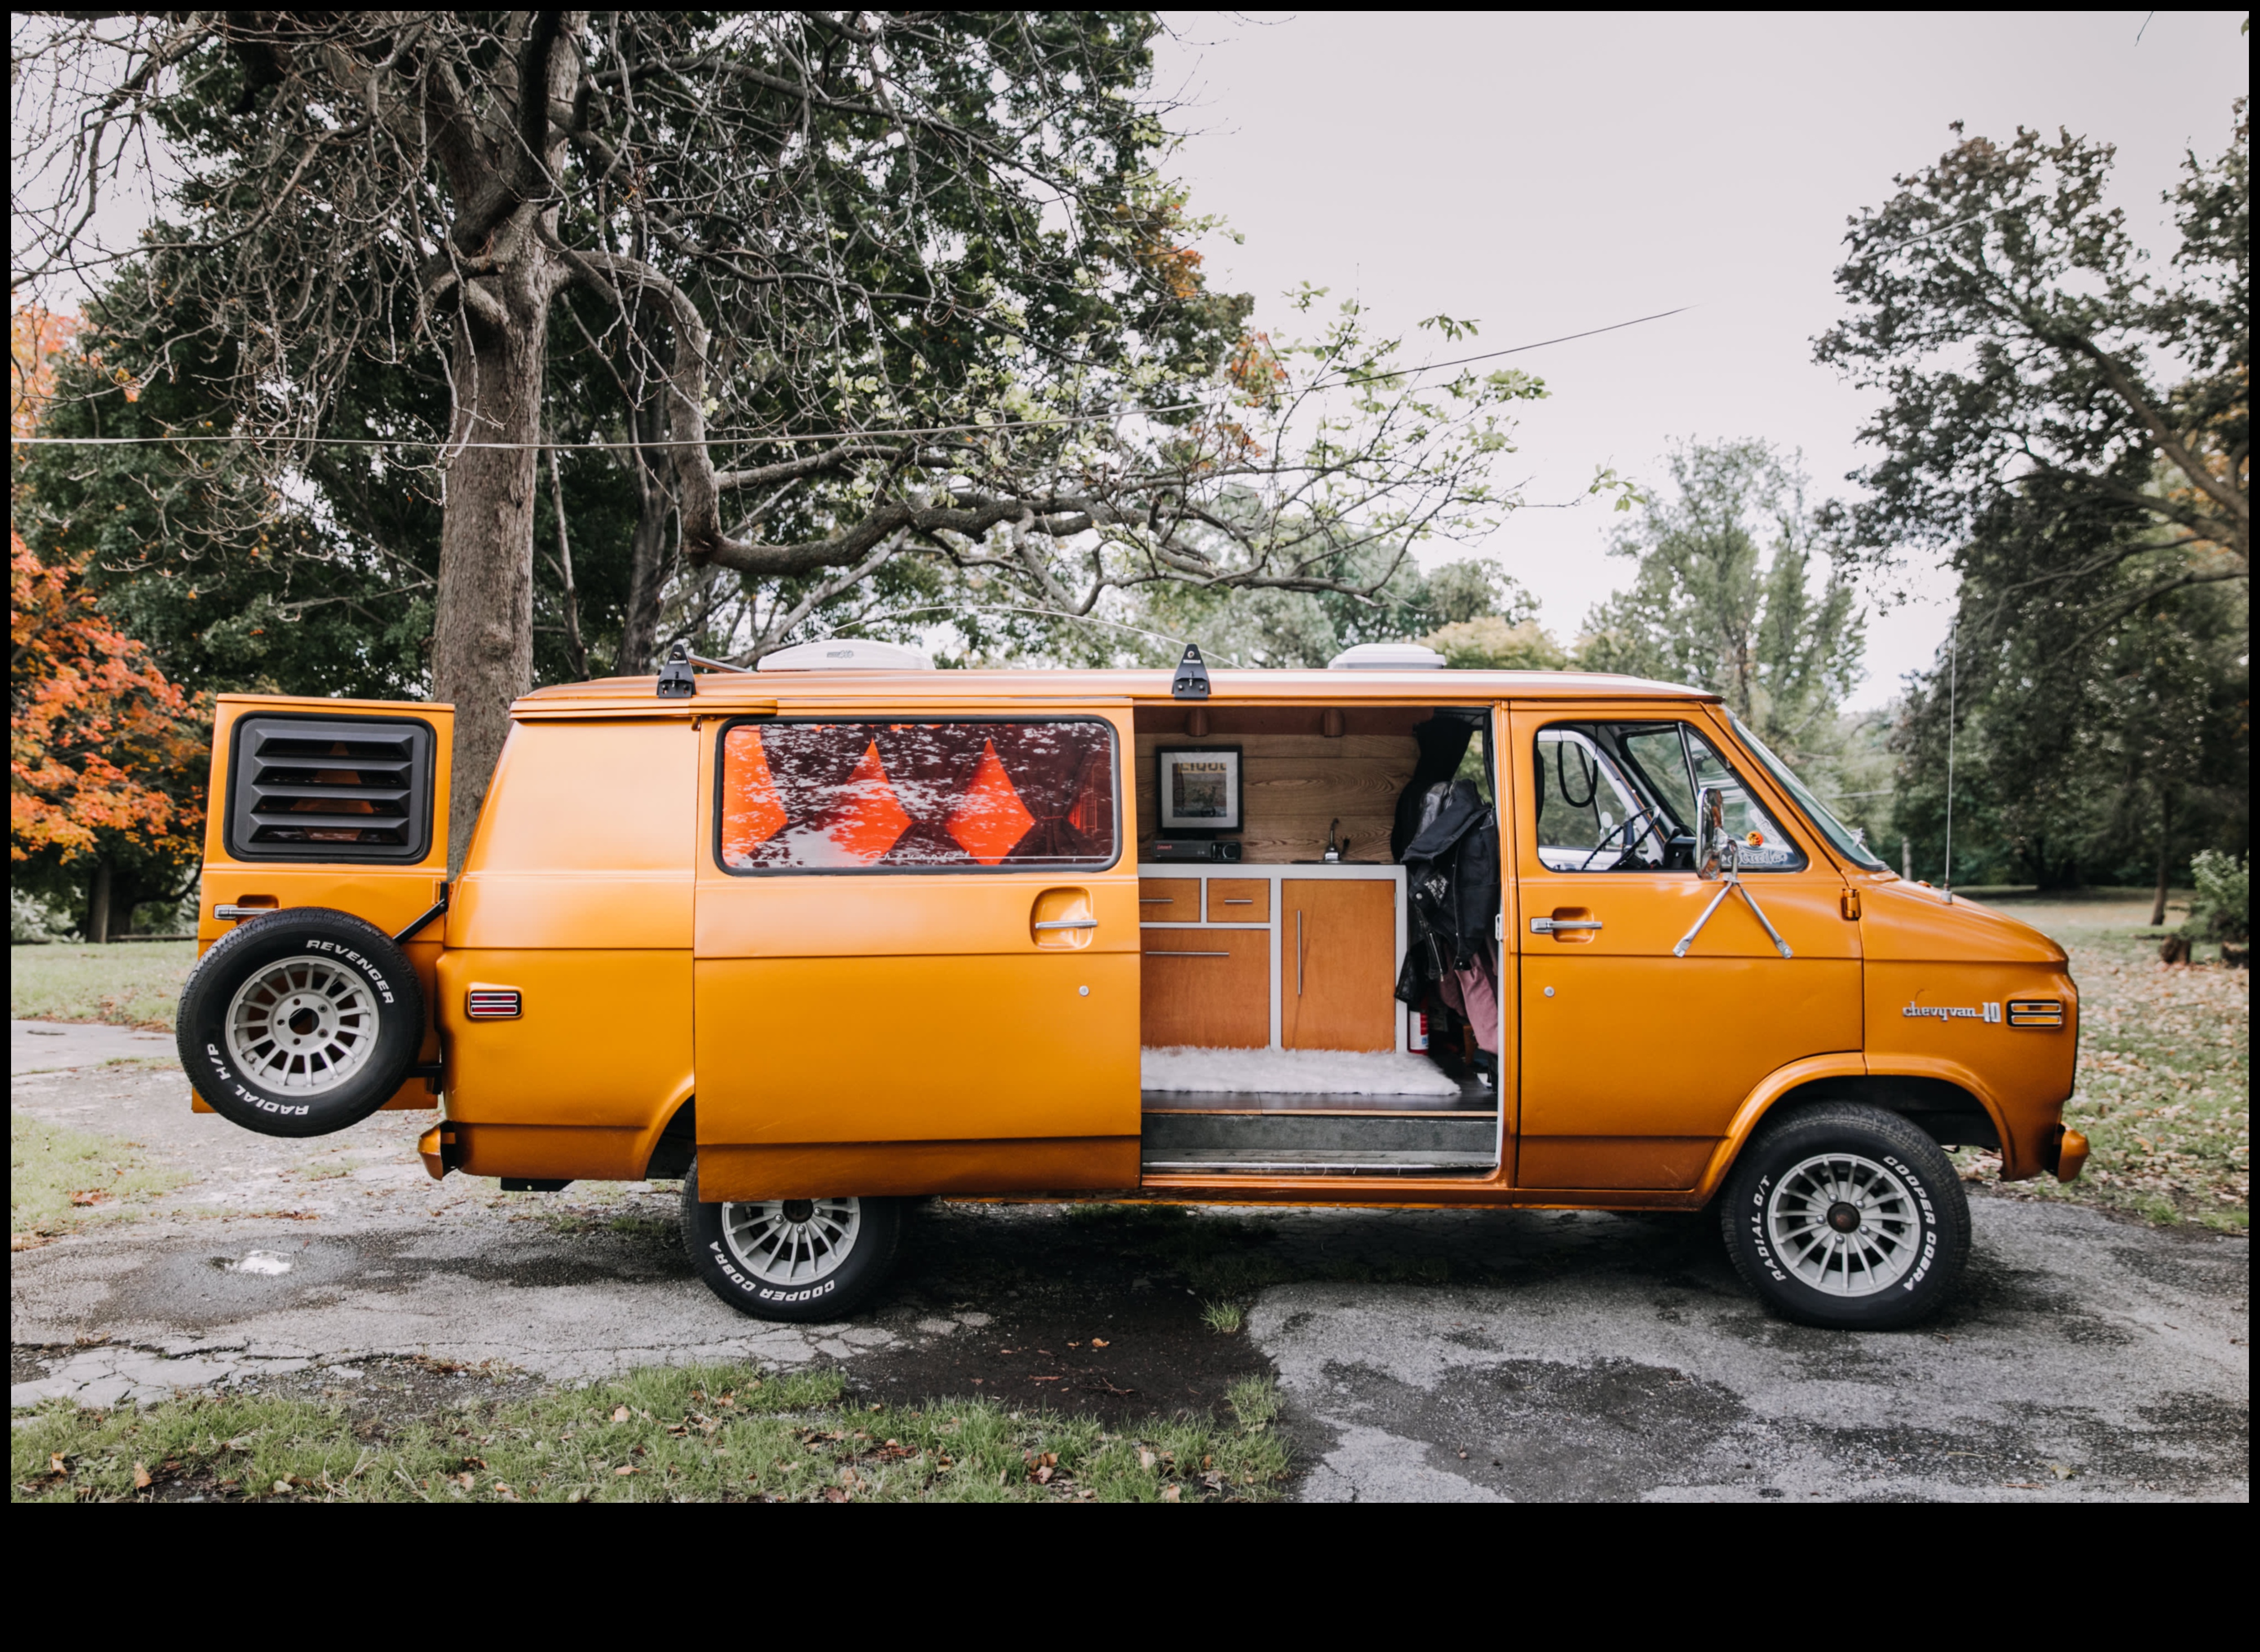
column 1639, row 818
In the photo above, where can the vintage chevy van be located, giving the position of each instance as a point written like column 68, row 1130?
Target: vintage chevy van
column 843, row 932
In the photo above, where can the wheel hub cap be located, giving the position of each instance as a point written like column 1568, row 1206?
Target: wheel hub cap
column 1844, row 1223
column 302, row 1027
column 797, row 1242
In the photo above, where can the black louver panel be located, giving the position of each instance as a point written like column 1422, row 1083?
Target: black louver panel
column 330, row 789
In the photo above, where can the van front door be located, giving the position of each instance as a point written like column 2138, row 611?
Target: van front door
column 1634, row 1055
column 916, row 966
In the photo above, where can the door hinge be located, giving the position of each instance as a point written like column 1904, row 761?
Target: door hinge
column 1849, row 904
column 1499, row 924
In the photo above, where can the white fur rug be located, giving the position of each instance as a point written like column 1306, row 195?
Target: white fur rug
column 1300, row 1072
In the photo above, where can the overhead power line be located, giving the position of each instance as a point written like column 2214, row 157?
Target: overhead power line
column 991, row 428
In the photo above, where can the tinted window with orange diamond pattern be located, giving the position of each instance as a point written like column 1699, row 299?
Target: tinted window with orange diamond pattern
column 919, row 796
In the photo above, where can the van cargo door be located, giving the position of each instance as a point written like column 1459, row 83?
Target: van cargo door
column 916, row 965
column 341, row 803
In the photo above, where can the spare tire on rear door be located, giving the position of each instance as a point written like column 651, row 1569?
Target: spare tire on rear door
column 302, row 1023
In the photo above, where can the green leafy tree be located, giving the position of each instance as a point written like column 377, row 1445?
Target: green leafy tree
column 848, row 290
column 2071, row 431
column 1725, row 598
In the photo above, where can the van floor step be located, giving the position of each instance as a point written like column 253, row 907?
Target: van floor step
column 1258, row 1161
column 1294, row 1135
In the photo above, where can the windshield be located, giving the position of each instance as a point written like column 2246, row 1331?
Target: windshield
column 1835, row 831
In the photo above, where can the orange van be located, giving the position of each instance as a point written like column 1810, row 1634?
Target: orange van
column 847, row 930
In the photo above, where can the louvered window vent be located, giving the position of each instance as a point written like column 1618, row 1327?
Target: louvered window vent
column 330, row 789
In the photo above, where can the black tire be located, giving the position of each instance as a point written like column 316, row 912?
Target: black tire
column 1901, row 1246
column 360, row 1009
column 830, row 1290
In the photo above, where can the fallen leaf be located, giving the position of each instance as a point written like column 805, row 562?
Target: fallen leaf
column 91, row 1195
column 627, row 1469
column 1098, row 1341
column 1146, row 1459
column 281, row 1485
column 620, row 1415
column 141, row 1480
column 1170, row 1493
column 2062, row 1471
column 1044, row 1475
column 55, row 1464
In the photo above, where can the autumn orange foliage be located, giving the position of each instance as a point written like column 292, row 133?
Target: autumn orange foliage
column 98, row 739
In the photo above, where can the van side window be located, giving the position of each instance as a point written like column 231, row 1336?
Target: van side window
column 925, row 796
column 1620, row 797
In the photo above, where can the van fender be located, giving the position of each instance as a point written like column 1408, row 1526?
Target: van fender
column 648, row 1143
column 2015, row 1161
column 1760, row 1101
column 1851, row 1064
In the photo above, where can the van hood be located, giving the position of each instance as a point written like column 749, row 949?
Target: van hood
column 1906, row 922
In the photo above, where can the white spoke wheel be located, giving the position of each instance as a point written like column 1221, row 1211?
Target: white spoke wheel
column 1844, row 1223
column 1848, row 1215
column 792, row 1241
column 302, row 1027
column 793, row 1259
column 301, row 1023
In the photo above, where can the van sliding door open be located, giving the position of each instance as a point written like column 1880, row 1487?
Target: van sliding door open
column 916, row 966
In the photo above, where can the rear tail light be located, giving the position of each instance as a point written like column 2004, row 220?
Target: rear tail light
column 493, row 1004
column 2035, row 1013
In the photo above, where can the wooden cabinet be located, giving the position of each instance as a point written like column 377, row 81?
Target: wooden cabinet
column 1265, row 958
column 1205, row 987
column 1168, row 900
column 1337, row 964
column 1239, row 900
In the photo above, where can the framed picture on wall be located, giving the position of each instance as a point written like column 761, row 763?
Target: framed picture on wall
column 1196, row 790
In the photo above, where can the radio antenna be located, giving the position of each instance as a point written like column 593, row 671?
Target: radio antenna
column 1953, row 672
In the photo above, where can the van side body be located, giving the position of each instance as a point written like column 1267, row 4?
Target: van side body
column 902, row 1032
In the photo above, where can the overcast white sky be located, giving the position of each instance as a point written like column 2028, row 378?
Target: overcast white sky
column 1544, row 173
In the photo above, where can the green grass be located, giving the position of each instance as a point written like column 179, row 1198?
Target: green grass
column 60, row 1179
column 719, row 1433
column 131, row 985
column 2163, row 1089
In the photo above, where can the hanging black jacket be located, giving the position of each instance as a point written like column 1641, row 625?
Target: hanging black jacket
column 1451, row 875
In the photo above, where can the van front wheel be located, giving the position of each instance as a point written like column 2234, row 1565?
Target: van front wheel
column 796, row 1259
column 1844, row 1215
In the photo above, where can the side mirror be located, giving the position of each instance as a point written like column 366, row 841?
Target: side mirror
column 1715, row 848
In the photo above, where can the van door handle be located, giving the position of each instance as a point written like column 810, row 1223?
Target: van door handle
column 237, row 914
column 1069, row 923
column 1549, row 926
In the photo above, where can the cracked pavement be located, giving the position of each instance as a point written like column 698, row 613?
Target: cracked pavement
column 1527, row 1355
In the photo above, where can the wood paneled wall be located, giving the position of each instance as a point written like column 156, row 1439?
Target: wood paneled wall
column 1294, row 784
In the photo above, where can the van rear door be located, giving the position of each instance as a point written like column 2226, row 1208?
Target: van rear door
column 341, row 803
column 916, row 965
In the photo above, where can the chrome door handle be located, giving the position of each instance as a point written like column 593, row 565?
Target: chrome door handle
column 237, row 914
column 1069, row 923
column 1550, row 925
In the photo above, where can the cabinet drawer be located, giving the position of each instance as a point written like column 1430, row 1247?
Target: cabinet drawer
column 1240, row 900
column 1209, row 987
column 1168, row 900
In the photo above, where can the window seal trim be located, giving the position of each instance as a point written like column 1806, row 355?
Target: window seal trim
column 721, row 742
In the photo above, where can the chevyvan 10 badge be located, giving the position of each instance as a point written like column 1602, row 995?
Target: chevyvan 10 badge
column 1952, row 1012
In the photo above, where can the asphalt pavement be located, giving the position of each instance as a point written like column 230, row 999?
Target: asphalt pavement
column 1423, row 1355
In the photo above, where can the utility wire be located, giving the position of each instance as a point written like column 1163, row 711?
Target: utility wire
column 849, row 436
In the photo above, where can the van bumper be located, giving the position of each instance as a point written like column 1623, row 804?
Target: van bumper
column 2063, row 1152
column 440, row 1150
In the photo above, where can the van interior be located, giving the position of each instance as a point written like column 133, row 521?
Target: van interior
column 1302, row 1011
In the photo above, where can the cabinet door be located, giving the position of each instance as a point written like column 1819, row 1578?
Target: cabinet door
column 1337, row 963
column 1205, row 987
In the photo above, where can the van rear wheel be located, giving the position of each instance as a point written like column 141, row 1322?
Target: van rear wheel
column 794, row 1260
column 1845, row 1215
column 301, row 1023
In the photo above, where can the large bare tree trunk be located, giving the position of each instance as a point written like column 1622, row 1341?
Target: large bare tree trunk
column 483, row 634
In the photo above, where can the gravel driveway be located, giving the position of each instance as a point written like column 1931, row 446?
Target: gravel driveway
column 1556, row 1356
